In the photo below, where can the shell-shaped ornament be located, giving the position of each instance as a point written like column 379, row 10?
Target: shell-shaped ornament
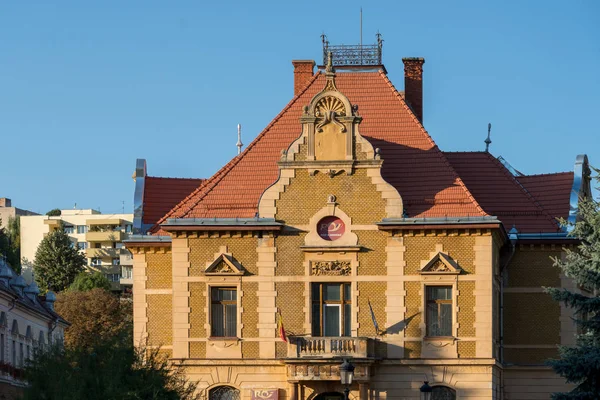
column 330, row 103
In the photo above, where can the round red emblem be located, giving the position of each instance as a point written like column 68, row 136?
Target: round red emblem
column 331, row 228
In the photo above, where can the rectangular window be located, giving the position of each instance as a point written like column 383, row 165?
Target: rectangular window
column 331, row 309
column 82, row 245
column 69, row 229
column 128, row 228
column 82, row 228
column 28, row 352
column 116, row 261
column 96, row 262
column 439, row 310
column 119, row 245
column 2, row 347
column 223, row 312
column 127, row 272
column 14, row 353
column 21, row 361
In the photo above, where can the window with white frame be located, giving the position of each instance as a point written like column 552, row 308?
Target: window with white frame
column 69, row 229
column 82, row 228
column 127, row 272
column 438, row 310
column 82, row 245
column 223, row 312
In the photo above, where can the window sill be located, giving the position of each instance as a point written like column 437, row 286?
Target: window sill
column 440, row 338
column 224, row 339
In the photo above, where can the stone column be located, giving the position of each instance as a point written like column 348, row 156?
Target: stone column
column 363, row 391
column 294, row 394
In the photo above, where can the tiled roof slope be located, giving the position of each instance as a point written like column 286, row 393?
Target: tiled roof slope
column 552, row 191
column 162, row 194
column 412, row 162
column 502, row 195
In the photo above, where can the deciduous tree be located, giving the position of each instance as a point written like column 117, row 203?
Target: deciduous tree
column 96, row 316
column 85, row 281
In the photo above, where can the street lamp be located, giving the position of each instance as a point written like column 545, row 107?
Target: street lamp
column 426, row 391
column 346, row 376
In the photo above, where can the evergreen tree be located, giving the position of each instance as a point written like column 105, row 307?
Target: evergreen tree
column 580, row 365
column 85, row 281
column 57, row 262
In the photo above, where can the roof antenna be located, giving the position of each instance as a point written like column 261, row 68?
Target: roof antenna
column 361, row 53
column 488, row 140
column 239, row 142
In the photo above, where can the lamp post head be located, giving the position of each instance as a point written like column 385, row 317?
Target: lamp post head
column 346, row 373
column 426, row 391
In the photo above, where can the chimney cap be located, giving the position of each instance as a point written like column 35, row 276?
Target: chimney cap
column 312, row 62
column 413, row 59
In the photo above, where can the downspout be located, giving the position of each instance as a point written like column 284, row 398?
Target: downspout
column 52, row 326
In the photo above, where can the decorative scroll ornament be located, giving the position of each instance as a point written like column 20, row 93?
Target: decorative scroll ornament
column 331, row 268
column 439, row 266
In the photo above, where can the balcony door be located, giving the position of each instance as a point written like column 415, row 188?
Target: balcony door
column 331, row 309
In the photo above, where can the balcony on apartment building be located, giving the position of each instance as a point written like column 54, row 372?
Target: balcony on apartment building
column 328, row 347
column 104, row 252
column 105, row 230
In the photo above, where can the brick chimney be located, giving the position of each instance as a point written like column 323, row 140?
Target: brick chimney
column 303, row 72
column 413, row 84
column 5, row 202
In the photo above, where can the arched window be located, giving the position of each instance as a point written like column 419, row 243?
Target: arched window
column 443, row 393
column 224, row 393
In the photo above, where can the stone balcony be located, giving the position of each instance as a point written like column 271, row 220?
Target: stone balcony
column 330, row 347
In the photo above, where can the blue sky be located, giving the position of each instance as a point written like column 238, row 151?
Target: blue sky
column 88, row 87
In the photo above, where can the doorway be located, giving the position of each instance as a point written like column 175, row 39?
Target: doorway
column 330, row 396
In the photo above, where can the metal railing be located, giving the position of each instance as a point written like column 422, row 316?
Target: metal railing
column 353, row 55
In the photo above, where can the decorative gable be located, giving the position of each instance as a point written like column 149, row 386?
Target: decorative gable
column 441, row 263
column 225, row 264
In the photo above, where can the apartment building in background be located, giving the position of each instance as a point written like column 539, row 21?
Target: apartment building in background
column 98, row 235
column 7, row 211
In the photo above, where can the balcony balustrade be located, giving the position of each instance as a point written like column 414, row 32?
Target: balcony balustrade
column 330, row 347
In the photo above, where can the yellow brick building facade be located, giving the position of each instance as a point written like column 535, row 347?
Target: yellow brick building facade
column 331, row 251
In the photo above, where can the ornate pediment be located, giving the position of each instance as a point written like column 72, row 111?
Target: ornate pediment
column 441, row 263
column 225, row 264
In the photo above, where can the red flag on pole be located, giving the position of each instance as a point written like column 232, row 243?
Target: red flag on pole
column 280, row 328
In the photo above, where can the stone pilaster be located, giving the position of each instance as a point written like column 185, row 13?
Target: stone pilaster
column 140, row 304
column 395, row 308
column 266, row 296
column 483, row 296
column 181, row 297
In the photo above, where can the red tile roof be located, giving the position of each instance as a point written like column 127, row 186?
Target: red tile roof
column 552, row 191
column 162, row 194
column 508, row 197
column 413, row 163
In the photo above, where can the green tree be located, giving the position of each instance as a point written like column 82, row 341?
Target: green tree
column 85, row 281
column 580, row 365
column 57, row 262
column 55, row 212
column 96, row 316
column 10, row 243
column 111, row 370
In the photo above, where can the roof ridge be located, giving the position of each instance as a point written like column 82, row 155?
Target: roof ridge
column 430, row 139
column 175, row 177
column 514, row 179
column 211, row 182
column 546, row 174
